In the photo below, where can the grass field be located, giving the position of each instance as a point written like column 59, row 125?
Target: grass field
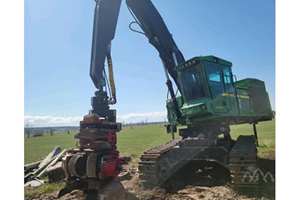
column 133, row 142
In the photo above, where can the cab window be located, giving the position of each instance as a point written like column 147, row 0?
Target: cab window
column 228, row 79
column 192, row 84
column 213, row 72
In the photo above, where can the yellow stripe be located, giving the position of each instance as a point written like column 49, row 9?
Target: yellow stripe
column 233, row 95
column 228, row 95
column 111, row 77
column 243, row 96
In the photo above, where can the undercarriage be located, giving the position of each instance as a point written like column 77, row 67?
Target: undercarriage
column 239, row 157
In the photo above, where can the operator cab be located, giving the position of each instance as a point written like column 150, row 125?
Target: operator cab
column 205, row 77
column 192, row 85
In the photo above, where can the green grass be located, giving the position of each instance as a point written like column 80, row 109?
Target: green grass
column 38, row 147
column 45, row 188
column 133, row 142
column 265, row 132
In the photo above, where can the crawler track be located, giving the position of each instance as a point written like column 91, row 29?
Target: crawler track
column 148, row 166
column 243, row 165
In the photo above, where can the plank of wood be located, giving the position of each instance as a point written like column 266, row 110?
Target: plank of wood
column 56, row 150
column 58, row 158
column 43, row 167
column 32, row 165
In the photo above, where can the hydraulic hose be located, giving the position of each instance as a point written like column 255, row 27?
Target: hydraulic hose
column 111, row 81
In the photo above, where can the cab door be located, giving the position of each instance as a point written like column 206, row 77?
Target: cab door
column 230, row 92
column 216, row 86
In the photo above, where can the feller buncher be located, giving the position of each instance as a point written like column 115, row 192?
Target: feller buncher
column 210, row 99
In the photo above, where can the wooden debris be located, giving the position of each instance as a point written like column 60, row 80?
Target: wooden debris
column 39, row 168
column 32, row 165
column 49, row 157
column 124, row 176
column 28, row 177
column 38, row 171
column 58, row 158
column 55, row 173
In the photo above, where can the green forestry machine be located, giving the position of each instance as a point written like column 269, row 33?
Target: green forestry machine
column 211, row 100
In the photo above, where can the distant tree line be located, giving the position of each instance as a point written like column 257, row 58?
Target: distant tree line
column 31, row 131
column 142, row 123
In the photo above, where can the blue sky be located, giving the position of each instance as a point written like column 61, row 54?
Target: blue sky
column 58, row 44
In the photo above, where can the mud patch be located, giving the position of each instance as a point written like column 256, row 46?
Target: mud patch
column 75, row 195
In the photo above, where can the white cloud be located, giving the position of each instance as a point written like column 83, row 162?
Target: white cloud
column 140, row 116
column 44, row 121
column 39, row 121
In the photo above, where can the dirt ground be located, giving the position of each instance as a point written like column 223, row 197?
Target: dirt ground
column 207, row 181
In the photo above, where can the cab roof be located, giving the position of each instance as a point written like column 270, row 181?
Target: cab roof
column 210, row 58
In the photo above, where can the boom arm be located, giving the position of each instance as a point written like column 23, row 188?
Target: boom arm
column 158, row 34
column 105, row 22
column 150, row 21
